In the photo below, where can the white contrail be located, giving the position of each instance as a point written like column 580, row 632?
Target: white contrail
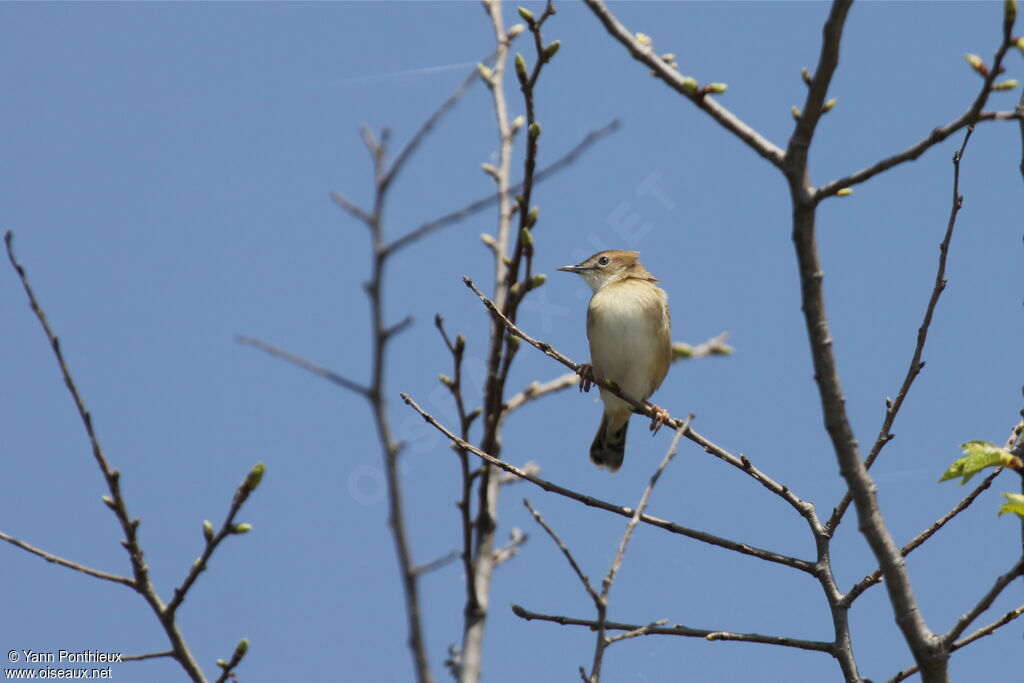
column 399, row 74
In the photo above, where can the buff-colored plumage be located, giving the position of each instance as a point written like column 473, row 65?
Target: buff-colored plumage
column 629, row 328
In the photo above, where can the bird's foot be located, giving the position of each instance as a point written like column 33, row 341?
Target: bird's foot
column 587, row 376
column 659, row 416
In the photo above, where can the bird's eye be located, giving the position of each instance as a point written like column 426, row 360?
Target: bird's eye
column 603, row 261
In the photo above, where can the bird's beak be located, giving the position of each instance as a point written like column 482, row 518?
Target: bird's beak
column 573, row 269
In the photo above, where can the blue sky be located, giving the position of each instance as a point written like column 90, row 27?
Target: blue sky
column 166, row 172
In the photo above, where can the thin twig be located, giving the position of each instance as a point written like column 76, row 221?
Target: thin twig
column 439, row 563
column 680, row 630
column 565, row 551
column 715, row 346
column 486, row 202
column 591, row 501
column 310, row 366
column 49, row 557
column 601, row 602
column 148, row 655
column 142, row 582
column 980, row 633
column 914, row 369
column 676, row 81
column 743, row 463
column 876, row 576
column 984, row 603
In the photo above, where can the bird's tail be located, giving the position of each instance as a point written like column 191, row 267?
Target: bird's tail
column 609, row 446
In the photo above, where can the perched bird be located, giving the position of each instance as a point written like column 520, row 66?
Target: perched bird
column 629, row 329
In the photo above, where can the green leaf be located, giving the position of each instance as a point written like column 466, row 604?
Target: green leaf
column 977, row 456
column 1015, row 504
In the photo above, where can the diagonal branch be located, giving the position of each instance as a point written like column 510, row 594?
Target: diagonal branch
column 680, row 630
column 486, row 202
column 805, row 509
column 590, row 501
column 49, row 557
column 914, row 369
column 984, row 603
column 876, row 576
column 301, row 362
column 565, row 551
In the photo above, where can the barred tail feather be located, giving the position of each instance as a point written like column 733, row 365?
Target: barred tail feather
column 609, row 446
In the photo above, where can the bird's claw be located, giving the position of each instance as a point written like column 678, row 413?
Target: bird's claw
column 659, row 416
column 587, row 376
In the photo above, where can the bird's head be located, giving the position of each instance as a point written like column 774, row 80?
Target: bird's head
column 606, row 267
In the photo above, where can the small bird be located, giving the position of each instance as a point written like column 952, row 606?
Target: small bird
column 629, row 328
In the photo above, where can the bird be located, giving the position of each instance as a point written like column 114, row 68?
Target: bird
column 629, row 328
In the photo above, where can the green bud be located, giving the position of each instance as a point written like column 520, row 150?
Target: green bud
column 526, row 14
column 644, row 39
column 827, row 107
column 520, row 67
column 795, row 112
column 668, row 57
column 1020, row 44
column 485, row 72
column 526, row 237
column 1010, row 11
column 460, row 344
column 445, row 380
column 976, row 63
column 514, row 341
column 490, row 170
column 716, row 88
column 531, row 218
column 805, row 75
column 255, row 476
column 551, row 50
column 537, row 280
column 516, row 30
column 222, row 664
column 690, row 85
column 109, row 502
column 241, row 528
column 534, row 130
column 207, row 531
column 242, row 647
column 515, row 289
column 488, row 241
column 1008, row 84
column 845, row 192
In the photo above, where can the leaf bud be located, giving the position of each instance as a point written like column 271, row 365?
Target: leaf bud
column 242, row 647
column 517, row 123
column 520, row 67
column 716, row 88
column 445, row 380
column 534, row 130
column 207, row 531
column 845, row 192
column 805, row 75
column 827, row 107
column 241, row 528
column 255, row 476
column 1008, row 84
column 643, row 39
column 485, row 72
column 526, row 237
column 516, row 30
column 537, row 280
column 531, row 218
column 689, row 85
column 795, row 111
column 526, row 14
column 551, row 50
column 488, row 241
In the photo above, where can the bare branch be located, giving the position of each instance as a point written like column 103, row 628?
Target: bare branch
column 350, row 206
column 490, row 200
column 49, row 557
column 680, row 630
column 148, row 655
column 439, row 563
column 973, row 115
column 516, row 540
column 565, row 551
column 984, row 603
column 914, row 369
column 590, row 501
column 876, row 576
column 742, row 463
column 309, row 366
column 676, row 81
column 642, row 631
column 715, row 346
column 980, row 633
